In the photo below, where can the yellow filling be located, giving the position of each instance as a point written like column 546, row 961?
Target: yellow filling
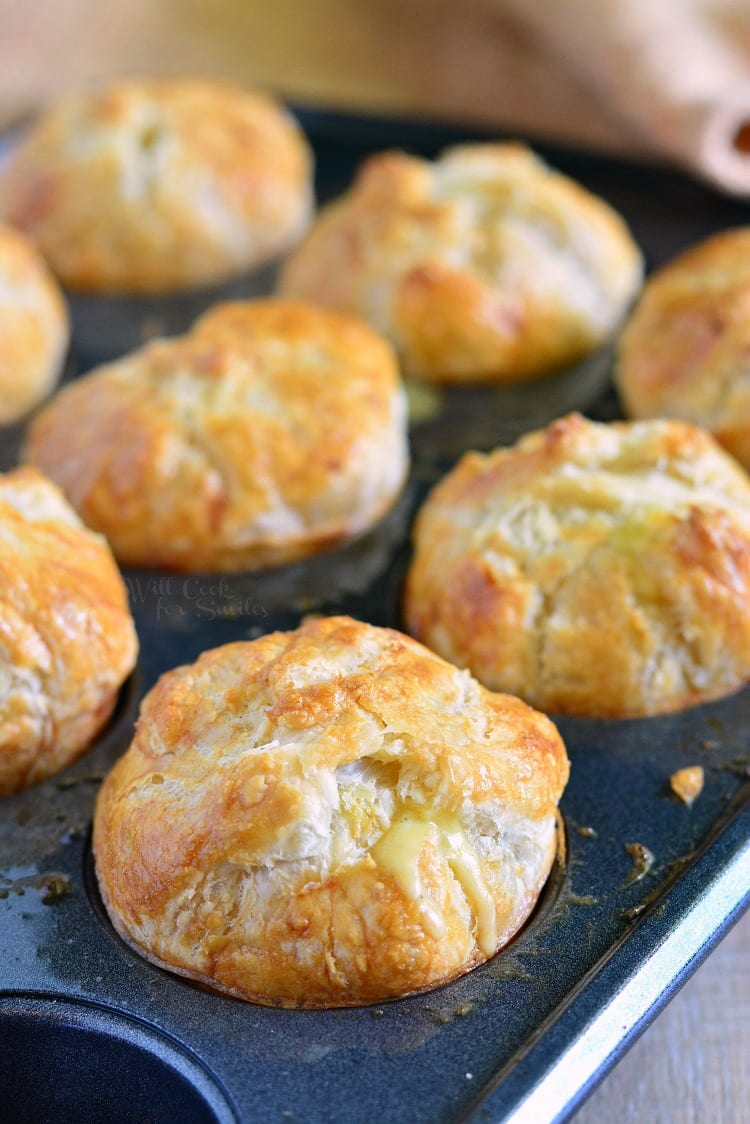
column 398, row 852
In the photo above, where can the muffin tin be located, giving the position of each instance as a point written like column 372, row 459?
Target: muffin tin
column 89, row 1030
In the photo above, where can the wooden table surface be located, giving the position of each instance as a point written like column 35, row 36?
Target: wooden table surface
column 466, row 61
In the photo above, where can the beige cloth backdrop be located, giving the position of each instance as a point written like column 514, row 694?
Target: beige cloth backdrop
column 459, row 58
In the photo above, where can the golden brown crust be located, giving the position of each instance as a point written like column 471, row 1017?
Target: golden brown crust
column 244, row 838
column 159, row 185
column 67, row 640
column 485, row 266
column 34, row 328
column 591, row 569
column 272, row 430
column 685, row 352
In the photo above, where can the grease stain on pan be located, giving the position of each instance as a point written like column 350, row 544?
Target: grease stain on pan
column 52, row 885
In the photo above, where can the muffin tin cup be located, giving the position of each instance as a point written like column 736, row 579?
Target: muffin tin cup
column 556, row 889
column 65, row 1060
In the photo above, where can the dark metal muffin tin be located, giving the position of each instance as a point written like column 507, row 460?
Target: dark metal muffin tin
column 90, row 1031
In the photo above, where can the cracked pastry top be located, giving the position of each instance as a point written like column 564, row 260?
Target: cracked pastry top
column 327, row 817
column 67, row 640
column 591, row 569
column 271, row 431
column 34, row 329
column 155, row 186
column 685, row 352
column 482, row 267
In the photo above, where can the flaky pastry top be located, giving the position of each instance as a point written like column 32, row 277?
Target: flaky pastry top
column 595, row 569
column 685, row 352
column 34, row 327
column 271, row 430
column 284, row 800
column 149, row 186
column 67, row 640
column 483, row 266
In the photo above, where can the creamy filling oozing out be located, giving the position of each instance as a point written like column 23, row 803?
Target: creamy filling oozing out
column 398, row 852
